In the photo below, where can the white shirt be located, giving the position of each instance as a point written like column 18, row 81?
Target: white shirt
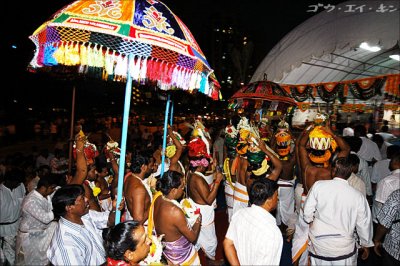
column 383, row 149
column 36, row 212
column 387, row 185
column 35, row 230
column 336, row 210
column 364, row 174
column 380, row 170
column 386, row 136
column 357, row 183
column 10, row 209
column 75, row 244
column 369, row 150
column 257, row 239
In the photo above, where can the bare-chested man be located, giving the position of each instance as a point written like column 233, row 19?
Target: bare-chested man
column 137, row 193
column 246, row 175
column 283, row 145
column 204, row 195
column 314, row 165
column 179, row 235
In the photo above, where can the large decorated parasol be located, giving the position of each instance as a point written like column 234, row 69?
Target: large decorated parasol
column 264, row 90
column 263, row 95
column 137, row 40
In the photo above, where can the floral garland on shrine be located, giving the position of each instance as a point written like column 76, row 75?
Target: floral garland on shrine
column 367, row 93
column 330, row 95
column 301, row 95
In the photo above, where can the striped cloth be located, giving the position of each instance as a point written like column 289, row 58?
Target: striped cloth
column 75, row 244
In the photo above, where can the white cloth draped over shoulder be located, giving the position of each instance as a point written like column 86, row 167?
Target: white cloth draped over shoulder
column 207, row 239
column 128, row 215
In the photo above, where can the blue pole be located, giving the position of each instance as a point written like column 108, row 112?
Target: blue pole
column 165, row 136
column 121, row 169
column 172, row 114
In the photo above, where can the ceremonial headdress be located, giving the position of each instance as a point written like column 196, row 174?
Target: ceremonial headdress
column 321, row 142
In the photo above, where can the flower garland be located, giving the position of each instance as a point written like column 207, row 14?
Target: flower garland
column 301, row 96
column 367, row 93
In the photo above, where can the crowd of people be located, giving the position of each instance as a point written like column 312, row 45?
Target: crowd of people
column 334, row 196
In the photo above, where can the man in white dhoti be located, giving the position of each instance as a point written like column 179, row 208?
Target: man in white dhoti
column 335, row 209
column 283, row 144
column 253, row 237
column 314, row 165
column 37, row 226
column 12, row 192
column 203, row 196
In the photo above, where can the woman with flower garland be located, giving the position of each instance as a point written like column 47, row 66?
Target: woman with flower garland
column 126, row 243
column 179, row 236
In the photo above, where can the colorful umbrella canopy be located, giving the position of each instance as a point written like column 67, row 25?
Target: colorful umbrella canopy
column 264, row 90
column 95, row 37
column 119, row 40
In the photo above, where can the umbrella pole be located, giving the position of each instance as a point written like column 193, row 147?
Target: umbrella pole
column 125, row 120
column 165, row 136
column 172, row 113
column 71, row 131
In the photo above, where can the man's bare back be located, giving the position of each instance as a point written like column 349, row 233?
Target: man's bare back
column 137, row 198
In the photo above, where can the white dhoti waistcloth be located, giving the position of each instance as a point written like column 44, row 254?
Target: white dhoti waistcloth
column 8, row 247
column 240, row 197
column 31, row 246
column 207, row 238
column 229, row 190
column 300, row 237
column 285, row 210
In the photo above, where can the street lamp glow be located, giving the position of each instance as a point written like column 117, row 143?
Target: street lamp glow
column 395, row 57
column 366, row 46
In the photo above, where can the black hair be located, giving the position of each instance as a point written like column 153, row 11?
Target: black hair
column 392, row 150
column 353, row 142
column 119, row 238
column 261, row 190
column 169, row 180
column 354, row 160
column 385, row 128
column 360, row 131
column 343, row 167
column 14, row 177
column 64, row 197
column 48, row 180
column 378, row 139
column 395, row 158
column 137, row 162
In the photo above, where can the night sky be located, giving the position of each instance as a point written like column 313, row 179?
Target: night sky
column 265, row 22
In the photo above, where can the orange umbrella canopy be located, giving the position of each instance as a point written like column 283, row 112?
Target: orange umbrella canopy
column 264, row 90
column 95, row 37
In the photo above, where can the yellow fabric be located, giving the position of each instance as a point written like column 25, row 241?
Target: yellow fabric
column 150, row 223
